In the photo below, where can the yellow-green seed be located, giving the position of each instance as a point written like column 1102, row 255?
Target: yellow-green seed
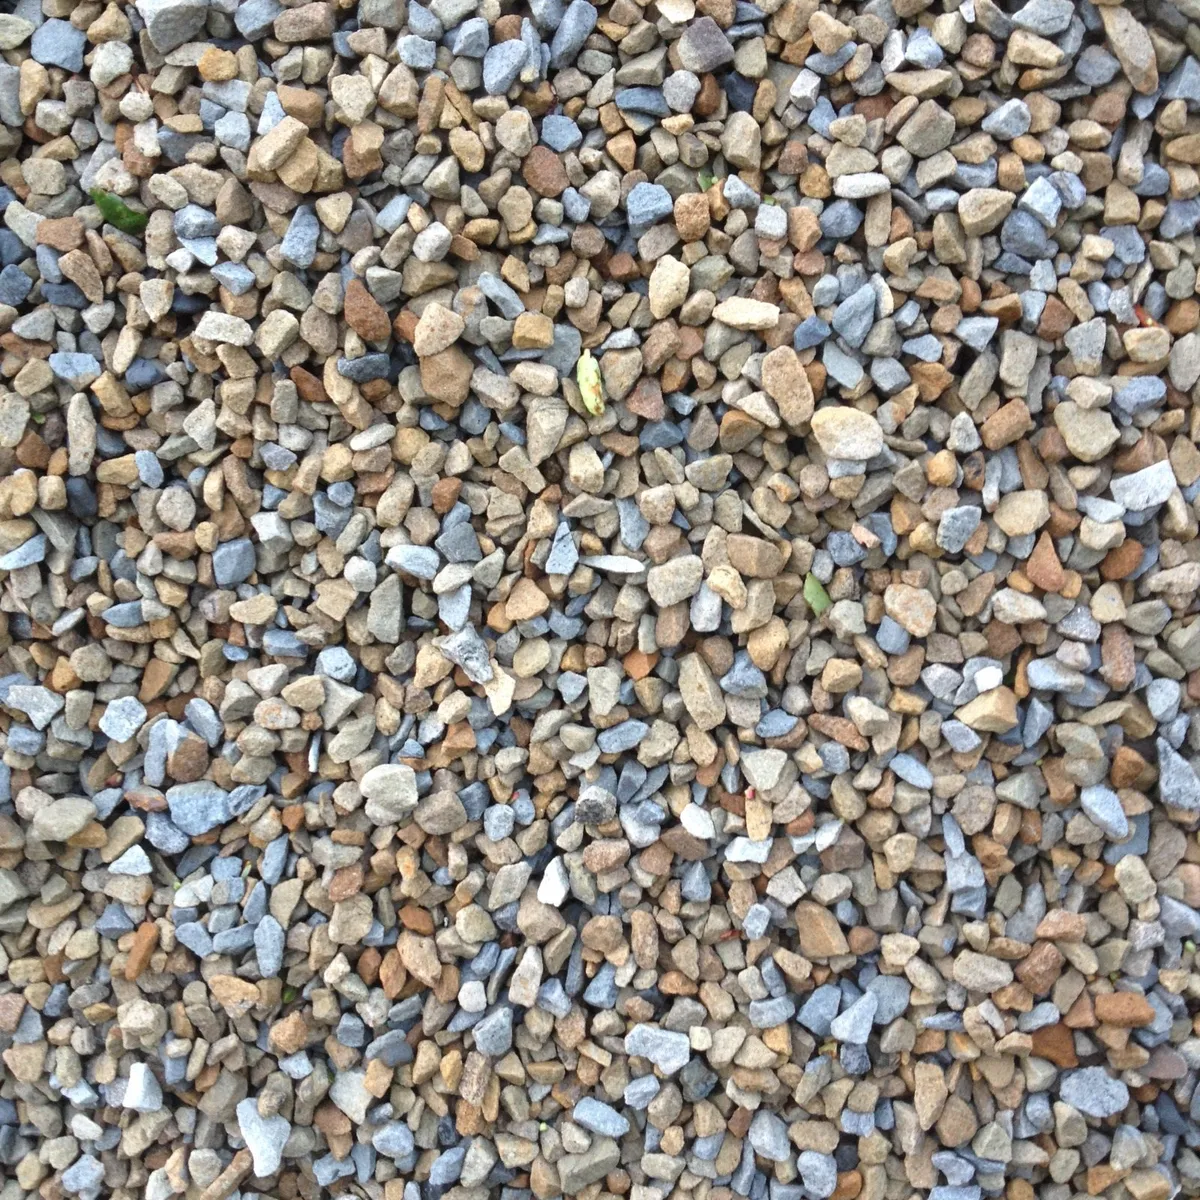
column 587, row 372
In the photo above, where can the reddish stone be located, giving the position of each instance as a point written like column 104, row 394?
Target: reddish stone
column 1043, row 568
column 544, row 172
column 364, row 314
column 1122, row 561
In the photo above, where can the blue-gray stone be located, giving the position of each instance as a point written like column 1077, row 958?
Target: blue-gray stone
column 423, row 562
column 976, row 332
column 123, row 718
column 447, row 1167
column 25, row 555
column 563, row 556
column 776, row 724
column 1008, row 121
column 560, row 133
column 599, row 1117
column 501, row 295
column 1096, row 67
column 1094, row 1092
column 1044, row 17
column 766, row 1014
column 1023, row 234
column 86, row 1173
column 299, row 245
column 812, row 331
column 192, row 221
column 1178, row 784
column 459, row 544
column 818, row 1011
column 648, row 203
column 494, row 1034
column 1103, row 808
column 233, row 562
column 114, row 921
column 892, row 637
column 417, row 52
column 649, row 100
column 233, row 129
column 58, row 43
column 769, row 1137
column 927, row 348
column 502, row 64
column 891, row 993
column 498, row 822
column 912, row 771
column 236, row 278
column 269, row 937
column 75, row 368
column 576, row 206
column 841, row 219
column 639, row 1092
column 423, row 22
column 855, row 316
column 577, row 23
column 393, row 1140
column 391, row 1048
column 827, row 64
column 922, row 50
column 141, row 375
column 198, row 807
column 233, row 941
column 740, row 194
column 15, row 285
column 854, row 1023
column 366, row 367
column 327, row 1170
column 959, row 736
column 470, row 39
column 668, row 1050
column 621, row 737
column 756, row 921
column 744, row 678
column 819, row 1173
column 1128, row 246
column 956, row 527
column 840, row 366
column 889, row 376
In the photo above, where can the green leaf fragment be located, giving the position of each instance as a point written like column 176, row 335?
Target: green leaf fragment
column 706, row 179
column 118, row 213
column 815, row 595
column 591, row 388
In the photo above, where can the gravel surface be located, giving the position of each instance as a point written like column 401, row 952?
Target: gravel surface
column 599, row 600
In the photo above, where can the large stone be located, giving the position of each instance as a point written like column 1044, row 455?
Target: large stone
column 1088, row 432
column 742, row 313
column 1131, row 44
column 820, row 934
column 1094, row 1092
column 702, row 697
column 170, row 23
column 911, row 607
column 675, row 581
column 847, row 433
column 704, row 47
column 1024, row 512
column 577, row 1171
column 981, row 972
column 981, row 209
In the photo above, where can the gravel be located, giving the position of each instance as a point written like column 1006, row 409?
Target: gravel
column 599, row 601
